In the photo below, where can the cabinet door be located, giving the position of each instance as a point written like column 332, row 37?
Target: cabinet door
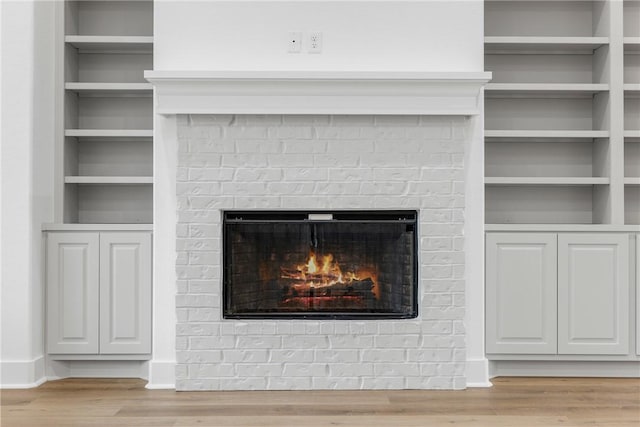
column 593, row 293
column 125, row 293
column 521, row 293
column 637, row 270
column 72, row 293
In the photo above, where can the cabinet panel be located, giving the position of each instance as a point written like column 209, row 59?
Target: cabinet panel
column 521, row 293
column 125, row 293
column 72, row 293
column 637, row 294
column 593, row 293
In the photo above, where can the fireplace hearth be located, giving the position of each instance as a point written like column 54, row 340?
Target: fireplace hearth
column 340, row 265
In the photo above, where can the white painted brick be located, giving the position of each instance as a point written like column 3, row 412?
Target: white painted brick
column 199, row 160
column 246, row 383
column 182, row 343
column 401, row 341
column 334, row 188
column 204, row 230
column 383, row 132
column 384, row 159
column 303, row 188
column 244, row 160
column 333, row 132
column 432, row 355
column 192, row 329
column 396, row 202
column 213, row 174
column 245, row 132
column 210, row 146
column 257, row 146
column 297, row 146
column 209, row 119
column 350, row 147
column 245, row 356
column 350, row 174
column 182, row 286
column 203, row 258
column 349, row 120
column 458, row 327
column 198, row 188
column 332, row 160
column 257, row 174
column 305, row 174
column 351, row 341
column 290, row 160
column 205, row 356
column 344, row 383
column 254, row 202
column 305, row 342
column 400, row 328
column 289, row 383
column 182, row 314
column 397, row 369
column 182, row 371
column 203, row 314
column 258, row 370
column 382, row 355
column 383, row 383
column 336, row 356
column 429, row 188
column 396, row 174
column 397, row 120
column 436, row 327
column 350, row 369
column 290, row 132
column 306, row 119
column 209, row 202
column 304, row 369
column 202, row 300
column 204, row 287
column 383, row 188
column 451, row 313
column 182, row 258
column 327, row 328
column 203, row 217
column 259, row 342
column 291, row 355
column 211, row 343
column 244, row 188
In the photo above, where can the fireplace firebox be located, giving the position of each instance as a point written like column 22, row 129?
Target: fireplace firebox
column 340, row 265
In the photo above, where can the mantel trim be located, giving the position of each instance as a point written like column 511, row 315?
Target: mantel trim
column 318, row 92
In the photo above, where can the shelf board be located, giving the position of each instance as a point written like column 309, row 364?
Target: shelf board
column 563, row 227
column 108, row 180
column 631, row 180
column 510, row 45
column 632, row 135
column 632, row 90
column 544, row 135
column 631, row 44
column 546, row 90
column 110, row 133
column 110, row 89
column 133, row 44
column 96, row 227
column 535, row 180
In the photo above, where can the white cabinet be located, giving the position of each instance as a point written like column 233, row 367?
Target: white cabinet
column 593, row 293
column 99, row 293
column 72, row 293
column 558, row 294
column 521, row 293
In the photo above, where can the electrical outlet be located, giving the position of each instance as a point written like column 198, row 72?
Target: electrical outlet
column 315, row 42
column 295, row 42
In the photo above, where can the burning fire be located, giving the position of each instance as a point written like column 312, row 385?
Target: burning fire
column 325, row 275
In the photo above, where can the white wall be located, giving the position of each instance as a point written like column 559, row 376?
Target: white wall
column 26, row 183
column 413, row 35
column 429, row 35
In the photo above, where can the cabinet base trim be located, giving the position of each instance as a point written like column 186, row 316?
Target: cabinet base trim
column 512, row 368
column 22, row 373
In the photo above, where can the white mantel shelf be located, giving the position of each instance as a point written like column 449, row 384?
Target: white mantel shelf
column 317, row 92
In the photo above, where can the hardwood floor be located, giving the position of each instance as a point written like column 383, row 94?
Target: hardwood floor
column 511, row 402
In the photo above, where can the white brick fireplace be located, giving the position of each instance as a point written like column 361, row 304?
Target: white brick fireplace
column 330, row 141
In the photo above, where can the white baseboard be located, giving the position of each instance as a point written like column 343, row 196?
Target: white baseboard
column 162, row 374
column 477, row 371
column 22, row 373
column 546, row 368
column 58, row 369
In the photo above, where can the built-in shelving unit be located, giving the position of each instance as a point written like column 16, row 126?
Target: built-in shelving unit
column 106, row 124
column 562, row 113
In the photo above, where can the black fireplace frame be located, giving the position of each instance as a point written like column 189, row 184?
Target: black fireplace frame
column 409, row 217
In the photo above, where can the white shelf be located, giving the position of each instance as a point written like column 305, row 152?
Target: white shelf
column 607, row 228
column 544, row 89
column 511, row 44
column 110, row 133
column 632, row 181
column 111, row 43
column 632, row 135
column 110, row 89
column 96, row 227
column 631, row 44
column 108, row 180
column 528, row 180
column 532, row 135
column 632, row 90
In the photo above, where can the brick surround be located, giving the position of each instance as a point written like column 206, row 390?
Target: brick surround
column 320, row 162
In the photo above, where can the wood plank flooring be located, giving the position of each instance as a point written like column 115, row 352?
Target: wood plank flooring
column 511, row 402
